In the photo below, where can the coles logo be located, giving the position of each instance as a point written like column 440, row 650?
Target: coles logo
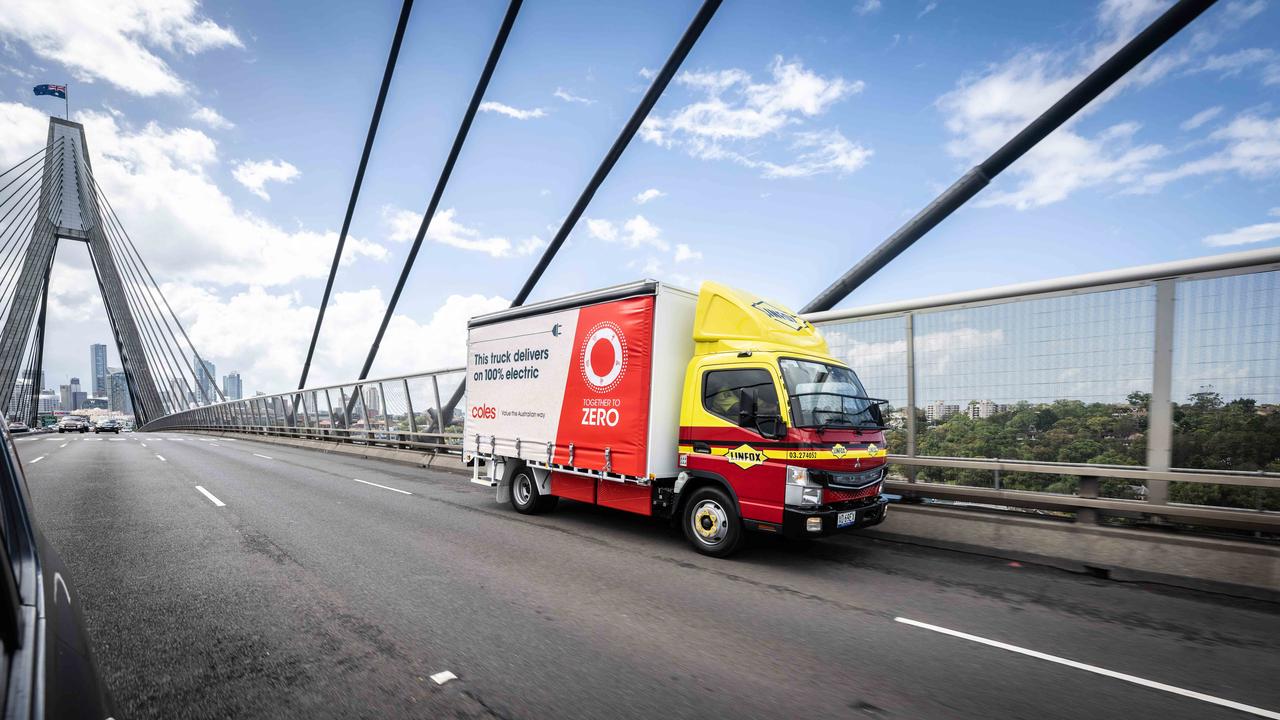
column 604, row 357
column 484, row 412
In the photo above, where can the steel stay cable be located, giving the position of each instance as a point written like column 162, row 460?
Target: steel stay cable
column 36, row 373
column 141, row 288
column 58, row 144
column 134, row 285
column 42, row 149
column 455, row 150
column 129, row 242
column 8, row 359
column 405, row 9
column 20, row 235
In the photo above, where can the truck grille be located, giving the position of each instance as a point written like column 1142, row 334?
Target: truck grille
column 835, row 495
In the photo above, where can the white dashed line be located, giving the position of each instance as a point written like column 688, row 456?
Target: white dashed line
column 384, row 487
column 64, row 444
column 1097, row 670
column 161, row 458
column 209, row 495
column 443, row 677
column 214, row 445
column 264, row 457
column 53, row 439
column 155, row 439
column 143, row 444
column 33, row 462
column 92, row 439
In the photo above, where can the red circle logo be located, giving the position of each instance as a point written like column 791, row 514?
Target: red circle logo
column 603, row 358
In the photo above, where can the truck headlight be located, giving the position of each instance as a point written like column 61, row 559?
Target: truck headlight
column 801, row 490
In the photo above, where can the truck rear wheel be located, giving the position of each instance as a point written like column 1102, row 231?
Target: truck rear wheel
column 711, row 522
column 524, row 494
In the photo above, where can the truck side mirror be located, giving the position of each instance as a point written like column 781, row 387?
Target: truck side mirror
column 771, row 426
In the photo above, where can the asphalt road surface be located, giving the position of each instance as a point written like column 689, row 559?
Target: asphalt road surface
column 229, row 578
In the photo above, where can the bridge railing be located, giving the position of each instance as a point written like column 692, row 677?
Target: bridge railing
column 402, row 412
column 1148, row 394
column 1151, row 393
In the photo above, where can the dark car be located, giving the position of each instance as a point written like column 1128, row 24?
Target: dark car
column 51, row 672
column 107, row 426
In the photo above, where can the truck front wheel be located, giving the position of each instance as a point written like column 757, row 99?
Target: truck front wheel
column 711, row 522
column 524, row 494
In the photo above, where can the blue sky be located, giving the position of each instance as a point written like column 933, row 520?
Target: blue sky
column 799, row 136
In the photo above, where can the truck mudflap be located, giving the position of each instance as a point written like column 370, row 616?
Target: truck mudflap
column 798, row 522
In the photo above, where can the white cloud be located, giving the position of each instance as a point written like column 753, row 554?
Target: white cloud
column 1261, row 232
column 269, row 358
column 1201, row 118
column 647, row 195
column 866, row 7
column 402, row 226
column 116, row 40
column 634, row 233
column 569, row 97
column 517, row 113
column 646, row 73
column 212, row 118
column 1250, row 146
column 684, row 253
column 158, row 181
column 1233, row 64
column 255, row 174
column 985, row 111
column 927, row 9
column 736, row 113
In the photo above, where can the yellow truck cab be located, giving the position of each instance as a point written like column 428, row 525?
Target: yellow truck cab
column 773, row 429
column 717, row 409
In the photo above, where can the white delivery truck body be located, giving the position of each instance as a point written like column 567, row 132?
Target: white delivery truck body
column 585, row 389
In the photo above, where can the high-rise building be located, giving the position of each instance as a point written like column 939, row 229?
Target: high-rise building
column 48, row 402
column 64, row 394
column 98, row 365
column 205, row 393
column 118, row 386
column 232, row 386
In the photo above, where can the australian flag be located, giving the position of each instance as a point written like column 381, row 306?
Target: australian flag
column 58, row 91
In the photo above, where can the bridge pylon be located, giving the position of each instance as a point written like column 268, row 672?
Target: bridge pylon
column 68, row 209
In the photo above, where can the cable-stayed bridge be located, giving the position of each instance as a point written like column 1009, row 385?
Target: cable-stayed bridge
column 1085, row 474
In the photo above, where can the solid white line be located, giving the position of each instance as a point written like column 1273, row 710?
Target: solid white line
column 209, row 495
column 161, row 458
column 265, row 457
column 384, row 487
column 1095, row 669
column 33, row 462
column 443, row 677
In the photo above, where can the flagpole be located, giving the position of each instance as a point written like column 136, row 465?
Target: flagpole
column 66, row 100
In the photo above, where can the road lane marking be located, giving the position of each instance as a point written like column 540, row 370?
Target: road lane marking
column 33, row 462
column 161, row 458
column 155, row 439
column 1095, row 669
column 143, row 444
column 52, row 439
column 209, row 495
column 264, row 457
column 384, row 487
column 92, row 439
column 64, row 444
column 443, row 677
column 214, row 445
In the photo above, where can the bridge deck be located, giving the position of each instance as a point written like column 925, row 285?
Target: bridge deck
column 309, row 594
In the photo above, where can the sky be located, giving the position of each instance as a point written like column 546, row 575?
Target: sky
column 796, row 138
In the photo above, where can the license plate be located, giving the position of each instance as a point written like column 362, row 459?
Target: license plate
column 845, row 519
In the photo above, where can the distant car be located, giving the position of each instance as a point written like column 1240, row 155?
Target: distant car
column 18, row 427
column 50, row 671
column 72, row 423
column 107, row 426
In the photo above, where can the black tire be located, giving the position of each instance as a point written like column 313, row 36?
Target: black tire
column 711, row 522
column 525, row 497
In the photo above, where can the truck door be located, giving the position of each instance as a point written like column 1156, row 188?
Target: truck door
column 730, row 423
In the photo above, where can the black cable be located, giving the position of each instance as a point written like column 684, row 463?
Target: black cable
column 355, row 188
column 9, row 360
column 134, row 248
column 57, row 144
column 43, row 148
column 476, row 96
column 142, row 307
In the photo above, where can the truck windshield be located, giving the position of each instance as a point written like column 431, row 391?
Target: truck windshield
column 825, row 395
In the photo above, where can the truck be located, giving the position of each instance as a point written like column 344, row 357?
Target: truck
column 717, row 410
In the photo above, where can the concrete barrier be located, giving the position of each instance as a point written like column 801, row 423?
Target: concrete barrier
column 1149, row 555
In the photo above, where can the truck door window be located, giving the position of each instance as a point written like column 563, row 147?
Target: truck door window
column 739, row 396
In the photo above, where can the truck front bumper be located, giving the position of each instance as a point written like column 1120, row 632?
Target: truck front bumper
column 796, row 522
